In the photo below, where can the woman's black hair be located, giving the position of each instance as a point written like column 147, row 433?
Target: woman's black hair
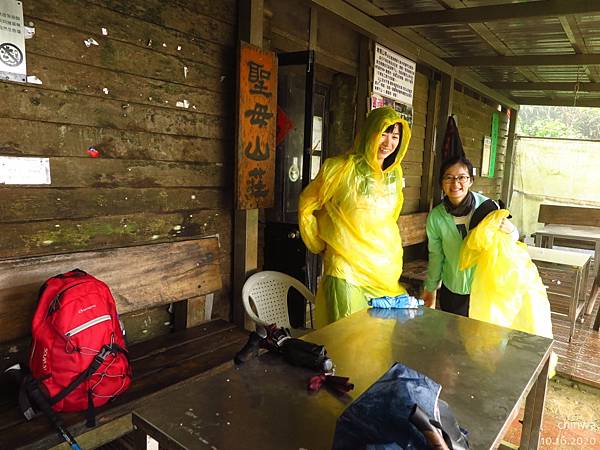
column 389, row 160
column 457, row 160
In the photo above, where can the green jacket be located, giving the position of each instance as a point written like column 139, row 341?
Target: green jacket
column 444, row 242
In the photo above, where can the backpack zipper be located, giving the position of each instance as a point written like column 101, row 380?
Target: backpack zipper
column 53, row 305
column 88, row 324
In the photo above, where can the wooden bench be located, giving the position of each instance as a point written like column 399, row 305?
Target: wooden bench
column 180, row 273
column 414, row 237
column 569, row 215
column 579, row 217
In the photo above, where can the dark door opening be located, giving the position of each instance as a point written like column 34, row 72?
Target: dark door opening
column 302, row 134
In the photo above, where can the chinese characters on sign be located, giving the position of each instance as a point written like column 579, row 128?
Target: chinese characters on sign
column 256, row 128
column 393, row 82
column 394, row 75
column 12, row 42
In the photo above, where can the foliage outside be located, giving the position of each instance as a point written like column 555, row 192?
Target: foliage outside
column 559, row 122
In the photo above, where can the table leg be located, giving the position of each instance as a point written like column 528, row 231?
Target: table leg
column 589, row 299
column 574, row 306
column 593, row 294
column 597, row 259
column 534, row 411
column 140, row 439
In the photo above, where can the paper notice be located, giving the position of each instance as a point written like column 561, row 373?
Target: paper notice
column 17, row 170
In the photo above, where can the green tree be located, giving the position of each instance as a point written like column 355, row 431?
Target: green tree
column 558, row 121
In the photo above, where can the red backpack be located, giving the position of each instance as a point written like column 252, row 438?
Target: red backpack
column 78, row 352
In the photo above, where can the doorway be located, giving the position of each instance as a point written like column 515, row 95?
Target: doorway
column 302, row 125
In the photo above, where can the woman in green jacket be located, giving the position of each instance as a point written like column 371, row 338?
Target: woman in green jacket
column 447, row 226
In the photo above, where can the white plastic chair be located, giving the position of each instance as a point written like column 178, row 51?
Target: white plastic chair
column 268, row 292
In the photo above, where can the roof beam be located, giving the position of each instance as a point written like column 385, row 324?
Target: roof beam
column 368, row 8
column 548, row 86
column 526, row 60
column 559, row 101
column 384, row 35
column 543, row 8
column 483, row 31
column 575, row 36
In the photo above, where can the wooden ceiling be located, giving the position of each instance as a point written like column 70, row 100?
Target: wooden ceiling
column 543, row 52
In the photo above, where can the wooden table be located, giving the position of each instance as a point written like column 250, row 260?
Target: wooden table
column 485, row 371
column 558, row 268
column 584, row 234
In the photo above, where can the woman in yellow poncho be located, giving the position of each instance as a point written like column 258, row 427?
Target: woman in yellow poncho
column 350, row 212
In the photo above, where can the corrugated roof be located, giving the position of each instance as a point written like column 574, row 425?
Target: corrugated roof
column 563, row 36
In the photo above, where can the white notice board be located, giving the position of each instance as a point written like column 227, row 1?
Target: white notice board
column 13, row 66
column 393, row 75
column 19, row 170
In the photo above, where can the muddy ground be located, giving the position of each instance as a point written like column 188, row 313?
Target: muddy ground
column 576, row 404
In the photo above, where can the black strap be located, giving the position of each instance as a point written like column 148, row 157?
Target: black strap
column 96, row 363
column 32, row 398
column 24, row 401
column 90, row 414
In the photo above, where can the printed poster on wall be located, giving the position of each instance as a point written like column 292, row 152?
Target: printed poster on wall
column 12, row 42
column 393, row 75
column 257, row 117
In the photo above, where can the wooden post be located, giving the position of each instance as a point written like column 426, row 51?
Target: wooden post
column 427, row 179
column 313, row 28
column 445, row 110
column 245, row 229
column 365, row 74
column 509, row 159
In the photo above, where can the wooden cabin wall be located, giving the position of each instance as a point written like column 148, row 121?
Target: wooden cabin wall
column 412, row 165
column 164, row 171
column 474, row 119
column 287, row 29
column 336, row 47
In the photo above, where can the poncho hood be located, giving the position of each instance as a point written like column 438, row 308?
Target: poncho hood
column 366, row 144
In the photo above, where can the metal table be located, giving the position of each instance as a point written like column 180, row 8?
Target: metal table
column 585, row 234
column 551, row 263
column 485, row 371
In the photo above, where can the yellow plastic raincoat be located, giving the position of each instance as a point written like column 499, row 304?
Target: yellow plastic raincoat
column 507, row 289
column 350, row 212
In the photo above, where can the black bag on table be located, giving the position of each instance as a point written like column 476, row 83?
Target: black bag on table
column 401, row 411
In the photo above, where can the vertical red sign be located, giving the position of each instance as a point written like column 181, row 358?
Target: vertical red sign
column 257, row 114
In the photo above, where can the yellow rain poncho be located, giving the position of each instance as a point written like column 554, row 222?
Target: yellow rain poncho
column 350, row 212
column 507, row 289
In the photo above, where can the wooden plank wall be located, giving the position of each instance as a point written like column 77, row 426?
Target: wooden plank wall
column 337, row 51
column 164, row 171
column 413, row 160
column 287, row 29
column 474, row 122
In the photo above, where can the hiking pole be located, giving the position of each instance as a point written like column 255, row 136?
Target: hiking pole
column 31, row 387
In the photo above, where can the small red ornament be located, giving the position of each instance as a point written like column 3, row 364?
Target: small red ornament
column 93, row 152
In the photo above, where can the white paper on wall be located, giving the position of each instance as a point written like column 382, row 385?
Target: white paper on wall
column 18, row 170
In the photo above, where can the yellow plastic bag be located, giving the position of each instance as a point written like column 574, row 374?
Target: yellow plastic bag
column 350, row 212
column 507, row 289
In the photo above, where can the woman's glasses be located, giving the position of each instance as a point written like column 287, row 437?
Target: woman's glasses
column 462, row 179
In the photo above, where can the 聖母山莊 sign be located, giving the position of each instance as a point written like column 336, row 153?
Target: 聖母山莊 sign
column 257, row 115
